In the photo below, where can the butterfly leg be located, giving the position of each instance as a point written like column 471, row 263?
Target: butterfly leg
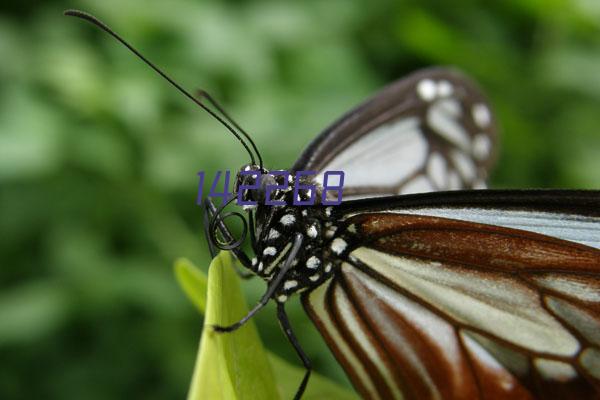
column 289, row 333
column 273, row 286
column 253, row 241
column 206, row 216
column 210, row 210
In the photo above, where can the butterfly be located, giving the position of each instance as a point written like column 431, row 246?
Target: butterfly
column 423, row 284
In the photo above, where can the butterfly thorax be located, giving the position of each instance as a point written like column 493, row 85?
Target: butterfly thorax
column 276, row 227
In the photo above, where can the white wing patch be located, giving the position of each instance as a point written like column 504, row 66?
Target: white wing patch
column 375, row 365
column 441, row 334
column 365, row 342
column 435, row 133
column 555, row 370
column 396, row 157
column 481, row 146
column 474, row 298
column 481, row 115
column 443, row 116
column 582, row 288
column 506, row 380
column 590, row 358
column 427, row 322
column 582, row 320
column 369, row 161
column 437, row 169
column 464, row 164
column 418, row 185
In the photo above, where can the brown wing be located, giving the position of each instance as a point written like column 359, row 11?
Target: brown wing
column 425, row 307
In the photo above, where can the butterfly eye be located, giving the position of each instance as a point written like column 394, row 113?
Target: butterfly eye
column 248, row 184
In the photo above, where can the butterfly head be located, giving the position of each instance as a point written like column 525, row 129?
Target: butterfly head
column 248, row 176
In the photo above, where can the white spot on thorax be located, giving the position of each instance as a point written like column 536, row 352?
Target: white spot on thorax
column 269, row 251
column 282, row 298
column 314, row 278
column 312, row 231
column 328, row 267
column 273, row 234
column 330, row 232
column 287, row 219
column 338, row 245
column 328, row 211
column 290, row 284
column 260, row 266
column 313, row 262
column 352, row 228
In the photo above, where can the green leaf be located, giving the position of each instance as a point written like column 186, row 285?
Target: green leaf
column 193, row 282
column 236, row 365
column 230, row 365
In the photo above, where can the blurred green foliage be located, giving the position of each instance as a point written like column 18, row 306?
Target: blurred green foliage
column 98, row 157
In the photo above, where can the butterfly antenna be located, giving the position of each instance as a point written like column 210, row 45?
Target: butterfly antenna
column 203, row 93
column 90, row 18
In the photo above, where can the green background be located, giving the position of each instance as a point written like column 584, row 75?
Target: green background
column 98, row 157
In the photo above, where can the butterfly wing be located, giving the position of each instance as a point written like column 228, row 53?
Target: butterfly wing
column 424, row 306
column 432, row 130
column 565, row 214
